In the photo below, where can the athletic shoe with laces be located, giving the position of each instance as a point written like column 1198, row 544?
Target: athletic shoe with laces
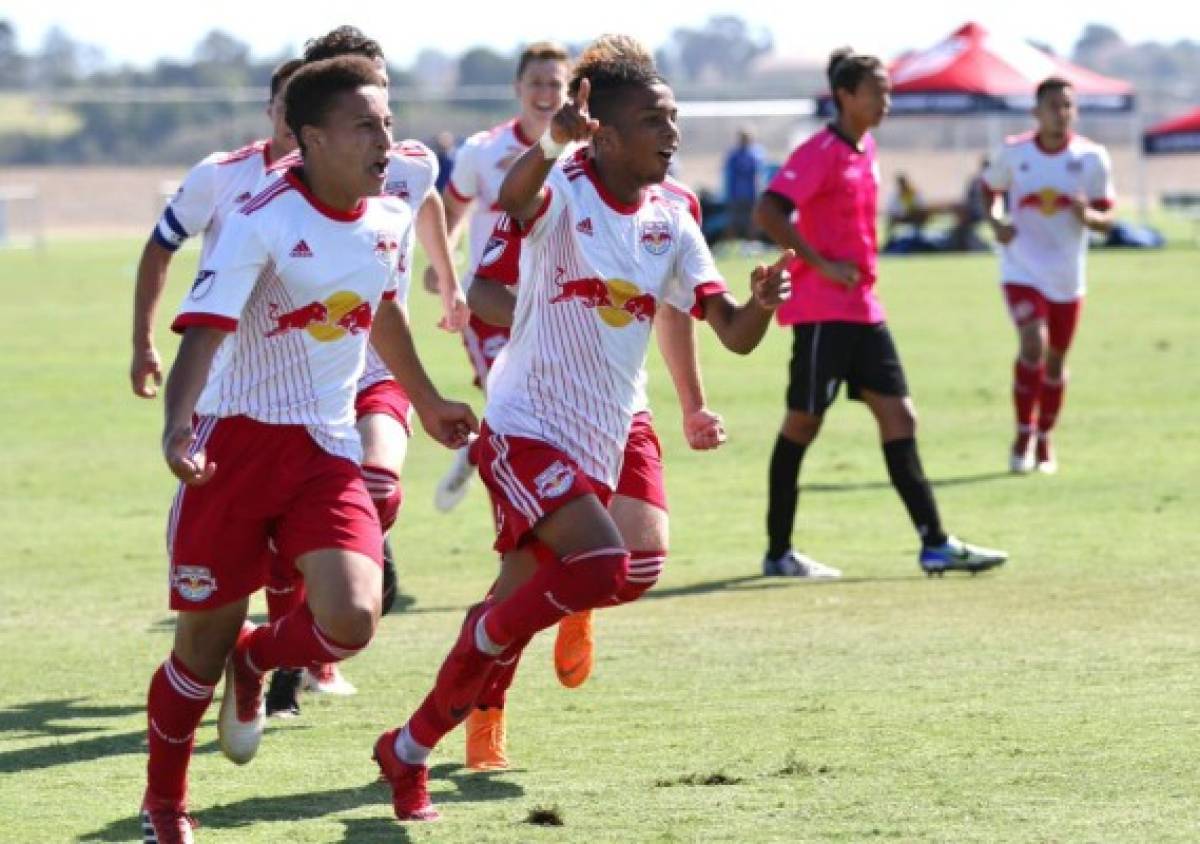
column 242, row 717
column 486, row 740
column 283, row 693
column 327, row 679
column 453, row 486
column 794, row 564
column 166, row 822
column 956, row 555
column 1047, row 463
column 410, row 783
column 573, row 649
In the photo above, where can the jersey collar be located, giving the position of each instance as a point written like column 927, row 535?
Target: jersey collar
column 293, row 178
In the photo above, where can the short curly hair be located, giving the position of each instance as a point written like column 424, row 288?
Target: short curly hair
column 310, row 92
column 343, row 41
column 613, row 64
column 282, row 73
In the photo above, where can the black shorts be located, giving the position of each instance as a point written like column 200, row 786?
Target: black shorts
column 824, row 354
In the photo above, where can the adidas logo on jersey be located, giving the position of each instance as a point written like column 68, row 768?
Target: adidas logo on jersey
column 301, row 250
column 584, row 226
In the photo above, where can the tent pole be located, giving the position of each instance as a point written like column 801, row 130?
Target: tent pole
column 1135, row 123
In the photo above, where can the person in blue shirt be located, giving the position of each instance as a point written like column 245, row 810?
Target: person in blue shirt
column 745, row 166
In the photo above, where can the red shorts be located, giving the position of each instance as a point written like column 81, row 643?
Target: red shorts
column 484, row 342
column 642, row 469
column 528, row 480
column 386, row 397
column 1026, row 304
column 272, row 482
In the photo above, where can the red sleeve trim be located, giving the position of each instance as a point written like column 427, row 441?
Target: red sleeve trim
column 1104, row 204
column 703, row 291
column 389, row 295
column 454, row 192
column 198, row 320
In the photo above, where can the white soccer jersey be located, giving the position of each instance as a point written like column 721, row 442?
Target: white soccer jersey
column 1049, row 251
column 212, row 190
column 592, row 273
column 480, row 166
column 297, row 284
column 411, row 176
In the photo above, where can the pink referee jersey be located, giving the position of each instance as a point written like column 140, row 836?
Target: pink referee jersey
column 834, row 186
column 593, row 271
column 297, row 284
column 480, row 166
column 1049, row 252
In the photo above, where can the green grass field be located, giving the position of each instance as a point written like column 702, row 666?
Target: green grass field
column 1055, row 700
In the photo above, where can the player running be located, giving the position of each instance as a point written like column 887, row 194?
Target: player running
column 260, row 426
column 601, row 249
column 471, row 198
column 383, row 410
column 829, row 186
column 1059, row 187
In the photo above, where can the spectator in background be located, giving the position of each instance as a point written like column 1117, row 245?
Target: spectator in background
column 445, row 145
column 969, row 213
column 745, row 166
column 906, row 207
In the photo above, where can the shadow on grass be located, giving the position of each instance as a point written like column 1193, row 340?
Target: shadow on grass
column 37, row 719
column 858, row 486
column 469, row 788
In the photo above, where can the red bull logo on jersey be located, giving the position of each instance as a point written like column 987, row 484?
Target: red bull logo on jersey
column 341, row 314
column 656, row 237
column 193, row 583
column 1047, row 200
column 617, row 302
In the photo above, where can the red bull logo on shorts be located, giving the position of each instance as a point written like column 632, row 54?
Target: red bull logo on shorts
column 342, row 313
column 656, row 237
column 616, row 301
column 193, row 583
column 554, row 480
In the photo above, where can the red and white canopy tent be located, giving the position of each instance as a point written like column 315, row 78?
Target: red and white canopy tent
column 1179, row 134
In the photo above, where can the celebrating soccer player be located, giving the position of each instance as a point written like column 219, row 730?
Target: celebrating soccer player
column 261, row 434
column 1059, row 187
column 602, row 249
column 829, row 186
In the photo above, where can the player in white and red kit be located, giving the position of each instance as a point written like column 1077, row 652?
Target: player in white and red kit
column 822, row 203
column 602, row 250
column 260, row 426
column 1059, row 187
column 472, row 197
column 639, row 502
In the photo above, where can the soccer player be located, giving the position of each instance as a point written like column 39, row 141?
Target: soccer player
column 382, row 408
column 601, row 250
column 1059, row 187
column 260, row 429
column 829, row 186
column 639, row 502
column 471, row 197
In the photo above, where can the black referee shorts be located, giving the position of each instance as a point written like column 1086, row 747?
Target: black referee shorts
column 824, row 354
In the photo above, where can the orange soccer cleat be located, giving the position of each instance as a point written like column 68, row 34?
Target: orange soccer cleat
column 485, row 740
column 573, row 649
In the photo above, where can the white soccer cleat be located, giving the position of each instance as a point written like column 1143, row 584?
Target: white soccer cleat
column 793, row 564
column 327, row 679
column 1020, row 459
column 956, row 555
column 1047, row 463
column 453, row 486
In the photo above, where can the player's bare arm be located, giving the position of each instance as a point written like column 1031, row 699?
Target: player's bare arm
column 773, row 214
column 184, row 385
column 1091, row 215
column 492, row 301
column 431, row 231
column 145, row 369
column 448, row 422
column 740, row 328
column 1003, row 230
column 523, row 190
column 676, row 331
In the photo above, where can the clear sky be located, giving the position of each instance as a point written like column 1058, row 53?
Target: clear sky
column 138, row 31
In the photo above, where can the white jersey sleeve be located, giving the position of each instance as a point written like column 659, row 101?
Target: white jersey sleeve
column 1099, row 181
column 412, row 172
column 554, row 205
column 219, row 294
column 696, row 275
column 998, row 173
column 192, row 208
column 464, row 173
